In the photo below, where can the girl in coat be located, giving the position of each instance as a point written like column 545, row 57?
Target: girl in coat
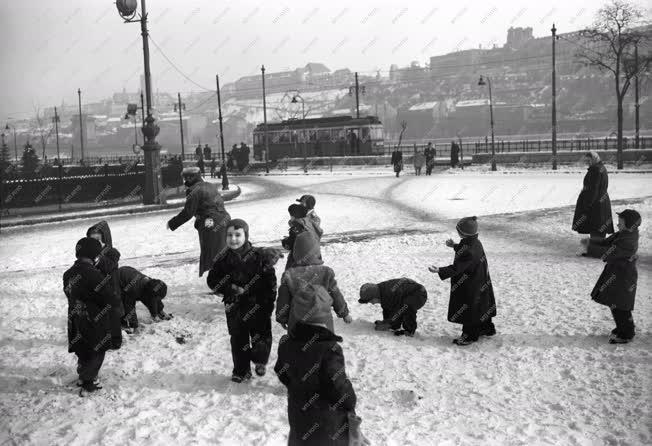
column 472, row 301
column 204, row 202
column 90, row 298
column 246, row 279
column 616, row 286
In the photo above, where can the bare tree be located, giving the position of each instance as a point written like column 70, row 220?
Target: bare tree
column 610, row 45
column 44, row 133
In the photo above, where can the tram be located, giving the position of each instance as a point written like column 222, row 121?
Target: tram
column 329, row 136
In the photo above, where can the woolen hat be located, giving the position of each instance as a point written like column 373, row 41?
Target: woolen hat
column 313, row 308
column 468, row 226
column 156, row 288
column 297, row 211
column 306, row 250
column 190, row 171
column 368, row 292
column 310, row 201
column 239, row 223
column 632, row 218
column 88, row 247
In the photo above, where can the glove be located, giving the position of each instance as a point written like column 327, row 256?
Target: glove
column 348, row 319
column 450, row 243
column 209, row 223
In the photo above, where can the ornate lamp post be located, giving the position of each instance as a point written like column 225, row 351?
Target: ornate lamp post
column 295, row 99
column 491, row 113
column 153, row 192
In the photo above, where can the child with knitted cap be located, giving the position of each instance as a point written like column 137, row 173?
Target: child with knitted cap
column 308, row 289
column 312, row 220
column 616, row 286
column 246, row 279
column 472, row 301
column 400, row 299
column 298, row 224
column 321, row 399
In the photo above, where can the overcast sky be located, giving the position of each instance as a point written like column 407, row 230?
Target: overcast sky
column 50, row 48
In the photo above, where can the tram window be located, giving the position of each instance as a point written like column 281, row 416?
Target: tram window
column 365, row 133
column 284, row 136
column 324, row 135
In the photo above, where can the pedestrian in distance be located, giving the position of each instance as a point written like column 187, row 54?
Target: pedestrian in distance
column 419, row 160
column 430, row 154
column 472, row 302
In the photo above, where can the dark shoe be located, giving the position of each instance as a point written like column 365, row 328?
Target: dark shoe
column 383, row 326
column 164, row 316
column 488, row 331
column 464, row 340
column 260, row 369
column 238, row 379
column 90, row 386
column 615, row 339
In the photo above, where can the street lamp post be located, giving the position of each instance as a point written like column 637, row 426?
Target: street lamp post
column 153, row 192
column 554, row 100
column 262, row 70
column 491, row 114
column 303, row 125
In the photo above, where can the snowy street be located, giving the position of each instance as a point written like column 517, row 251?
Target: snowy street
column 548, row 377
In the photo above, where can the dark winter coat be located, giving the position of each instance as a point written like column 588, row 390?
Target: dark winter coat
column 616, row 286
column 107, row 263
column 90, row 301
column 297, row 227
column 400, row 299
column 203, row 201
column 397, row 160
column 472, row 295
column 455, row 154
column 593, row 208
column 320, row 396
column 247, row 268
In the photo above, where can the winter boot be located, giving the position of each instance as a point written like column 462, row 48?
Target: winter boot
column 383, row 326
column 89, row 387
column 488, row 330
column 260, row 369
column 163, row 316
column 615, row 339
column 464, row 340
column 239, row 379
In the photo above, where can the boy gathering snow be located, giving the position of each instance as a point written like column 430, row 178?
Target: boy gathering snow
column 310, row 360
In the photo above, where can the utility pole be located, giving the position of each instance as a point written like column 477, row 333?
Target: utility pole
column 81, row 126
column 180, row 105
column 357, row 98
column 56, row 127
column 262, row 69
column 636, row 103
column 219, row 115
column 554, row 101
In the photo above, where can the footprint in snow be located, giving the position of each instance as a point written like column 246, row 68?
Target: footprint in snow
column 406, row 397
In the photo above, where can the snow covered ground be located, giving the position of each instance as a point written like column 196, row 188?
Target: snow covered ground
column 548, row 377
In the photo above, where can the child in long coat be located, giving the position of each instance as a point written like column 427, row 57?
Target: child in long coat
column 107, row 263
column 472, row 301
column 298, row 224
column 307, row 286
column 400, row 300
column 321, row 399
column 616, row 286
column 246, row 279
column 90, row 301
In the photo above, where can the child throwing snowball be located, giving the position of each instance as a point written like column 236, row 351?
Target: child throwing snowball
column 472, row 301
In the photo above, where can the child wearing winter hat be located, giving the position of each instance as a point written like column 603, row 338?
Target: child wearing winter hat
column 90, row 301
column 298, row 223
column 308, row 289
column 616, row 286
column 247, row 282
column 137, row 287
column 312, row 220
column 400, row 300
column 472, row 301
column 321, row 399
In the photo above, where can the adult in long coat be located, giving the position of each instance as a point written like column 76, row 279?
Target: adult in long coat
column 455, row 154
column 320, row 396
column 472, row 302
column 593, row 209
column 397, row 161
column 90, row 299
column 430, row 154
column 204, row 202
column 419, row 160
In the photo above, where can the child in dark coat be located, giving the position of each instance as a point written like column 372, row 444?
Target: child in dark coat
column 90, row 302
column 107, row 263
column 247, row 280
column 472, row 301
column 321, row 399
column 137, row 287
column 309, row 286
column 400, row 299
column 616, row 286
